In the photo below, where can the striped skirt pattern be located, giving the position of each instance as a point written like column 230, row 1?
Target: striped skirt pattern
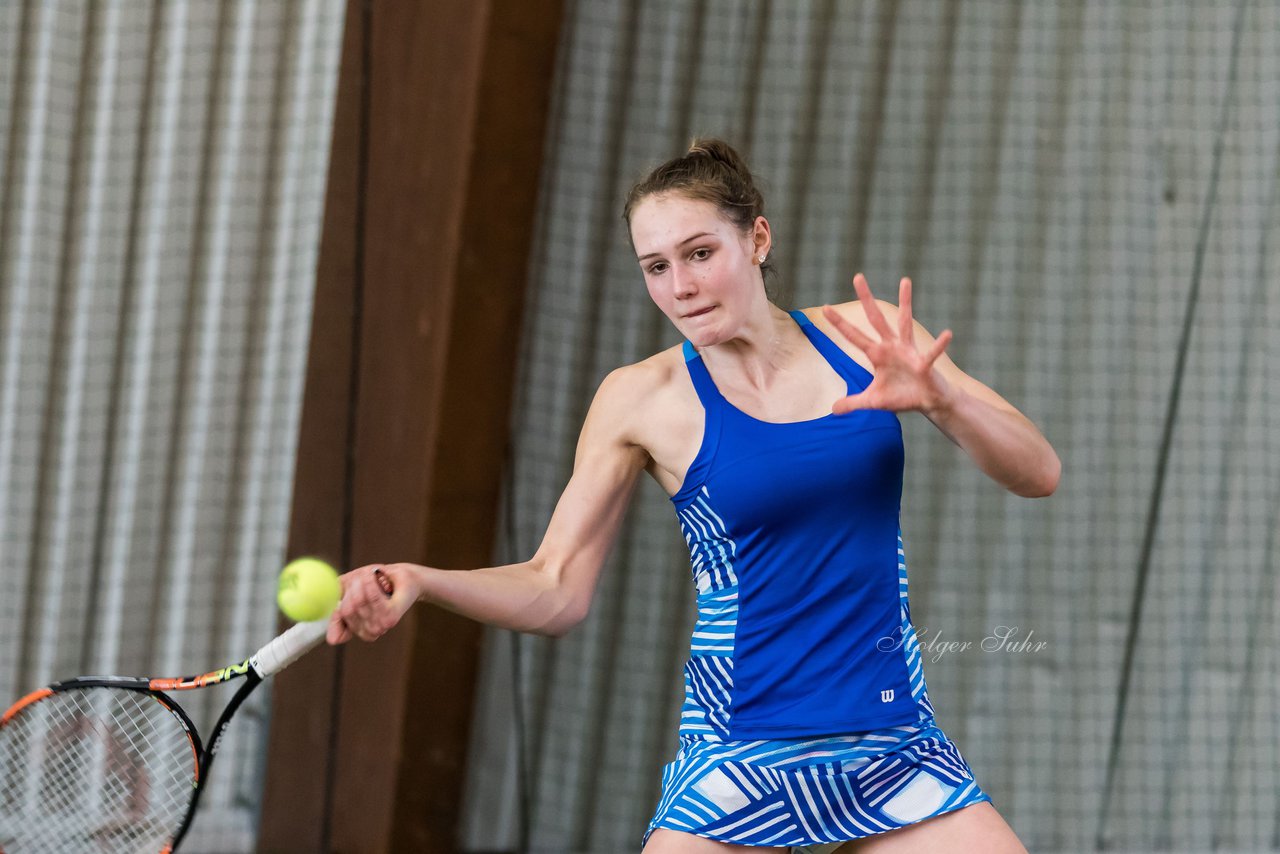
column 803, row 792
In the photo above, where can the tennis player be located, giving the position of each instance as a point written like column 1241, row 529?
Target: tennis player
column 806, row 722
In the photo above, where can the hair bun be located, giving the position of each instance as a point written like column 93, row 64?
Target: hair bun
column 712, row 171
column 721, row 151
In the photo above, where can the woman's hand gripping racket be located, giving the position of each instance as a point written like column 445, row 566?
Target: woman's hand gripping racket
column 111, row 763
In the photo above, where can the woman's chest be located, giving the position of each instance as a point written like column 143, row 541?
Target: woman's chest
column 835, row 465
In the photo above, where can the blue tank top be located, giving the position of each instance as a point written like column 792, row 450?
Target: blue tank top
column 793, row 530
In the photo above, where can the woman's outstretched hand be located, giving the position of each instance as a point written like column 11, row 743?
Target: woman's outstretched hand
column 904, row 379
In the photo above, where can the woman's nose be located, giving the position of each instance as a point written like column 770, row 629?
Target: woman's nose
column 684, row 282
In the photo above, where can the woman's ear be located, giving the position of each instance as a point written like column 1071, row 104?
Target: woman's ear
column 761, row 240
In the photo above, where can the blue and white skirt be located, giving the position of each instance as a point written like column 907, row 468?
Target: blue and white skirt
column 813, row 791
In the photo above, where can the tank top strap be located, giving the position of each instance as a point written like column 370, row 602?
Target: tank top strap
column 702, row 382
column 854, row 374
column 714, row 407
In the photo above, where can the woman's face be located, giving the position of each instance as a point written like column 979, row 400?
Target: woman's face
column 701, row 270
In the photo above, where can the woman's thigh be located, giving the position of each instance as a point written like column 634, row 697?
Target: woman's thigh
column 664, row 841
column 975, row 829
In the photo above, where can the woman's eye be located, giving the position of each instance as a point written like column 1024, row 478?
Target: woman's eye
column 701, row 254
column 657, row 268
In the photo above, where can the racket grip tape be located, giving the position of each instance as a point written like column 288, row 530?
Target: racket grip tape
column 288, row 647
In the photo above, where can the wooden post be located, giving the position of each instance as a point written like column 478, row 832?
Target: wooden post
column 432, row 192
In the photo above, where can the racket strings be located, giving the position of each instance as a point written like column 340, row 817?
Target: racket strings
column 93, row 770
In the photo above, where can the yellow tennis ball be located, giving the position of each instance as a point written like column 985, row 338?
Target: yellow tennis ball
column 308, row 589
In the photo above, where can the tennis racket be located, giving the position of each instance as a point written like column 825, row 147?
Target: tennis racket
column 107, row 764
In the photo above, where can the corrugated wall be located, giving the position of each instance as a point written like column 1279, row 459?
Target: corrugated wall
column 162, row 170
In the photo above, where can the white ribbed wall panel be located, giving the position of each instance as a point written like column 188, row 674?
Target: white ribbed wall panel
column 162, row 172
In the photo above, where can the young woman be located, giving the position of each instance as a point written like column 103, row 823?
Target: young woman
column 805, row 720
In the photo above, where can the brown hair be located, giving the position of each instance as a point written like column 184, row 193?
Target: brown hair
column 710, row 171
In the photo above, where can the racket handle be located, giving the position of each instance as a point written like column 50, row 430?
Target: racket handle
column 288, row 647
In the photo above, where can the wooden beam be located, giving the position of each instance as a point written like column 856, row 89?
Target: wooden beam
column 490, row 272
column 455, row 125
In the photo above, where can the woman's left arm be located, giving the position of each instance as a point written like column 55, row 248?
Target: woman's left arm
column 913, row 372
column 1001, row 440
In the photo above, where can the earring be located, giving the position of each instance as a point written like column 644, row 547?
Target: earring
column 761, row 259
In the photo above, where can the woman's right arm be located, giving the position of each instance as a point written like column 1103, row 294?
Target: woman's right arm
column 551, row 592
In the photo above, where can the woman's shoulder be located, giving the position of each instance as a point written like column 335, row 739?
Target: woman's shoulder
column 853, row 311
column 648, row 394
column 654, row 375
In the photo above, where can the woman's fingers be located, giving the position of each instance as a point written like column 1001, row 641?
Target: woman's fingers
column 374, row 619
column 338, row 631
column 856, row 336
column 869, row 306
column 903, row 377
column 939, row 344
column 906, row 327
column 851, row 403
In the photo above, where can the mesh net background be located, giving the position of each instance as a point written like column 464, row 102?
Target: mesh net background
column 1066, row 184
column 162, row 171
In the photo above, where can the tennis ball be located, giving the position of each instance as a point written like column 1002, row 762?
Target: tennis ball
column 308, row 589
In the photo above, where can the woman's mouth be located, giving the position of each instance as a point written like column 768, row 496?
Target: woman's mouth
column 699, row 312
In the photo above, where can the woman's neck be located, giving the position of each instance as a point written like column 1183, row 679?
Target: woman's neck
column 764, row 347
